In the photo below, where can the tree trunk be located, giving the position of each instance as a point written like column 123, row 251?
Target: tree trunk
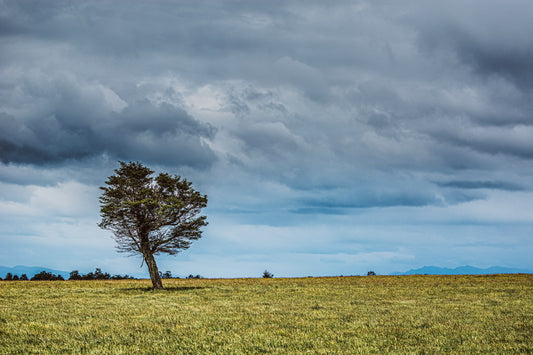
column 152, row 269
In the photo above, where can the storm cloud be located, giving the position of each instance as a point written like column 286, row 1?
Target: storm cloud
column 287, row 113
column 59, row 118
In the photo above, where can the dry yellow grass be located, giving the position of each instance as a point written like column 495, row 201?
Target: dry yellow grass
column 344, row 315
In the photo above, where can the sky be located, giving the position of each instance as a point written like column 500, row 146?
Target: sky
column 331, row 138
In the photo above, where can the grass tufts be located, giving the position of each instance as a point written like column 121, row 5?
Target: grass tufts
column 348, row 315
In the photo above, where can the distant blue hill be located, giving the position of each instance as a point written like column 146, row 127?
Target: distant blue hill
column 30, row 271
column 463, row 270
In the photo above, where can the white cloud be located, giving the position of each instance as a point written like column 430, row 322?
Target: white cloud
column 112, row 99
column 69, row 199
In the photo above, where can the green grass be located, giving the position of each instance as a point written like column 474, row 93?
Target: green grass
column 344, row 315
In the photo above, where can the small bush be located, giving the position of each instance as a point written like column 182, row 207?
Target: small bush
column 165, row 275
column 371, row 273
column 267, row 275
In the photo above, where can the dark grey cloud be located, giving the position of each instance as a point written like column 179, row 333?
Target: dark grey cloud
column 403, row 193
column 488, row 37
column 366, row 199
column 515, row 142
column 492, row 185
column 63, row 120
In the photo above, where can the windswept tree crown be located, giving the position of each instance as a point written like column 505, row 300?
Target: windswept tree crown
column 151, row 215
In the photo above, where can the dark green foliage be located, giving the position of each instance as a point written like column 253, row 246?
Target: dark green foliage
column 166, row 275
column 148, row 215
column 371, row 273
column 75, row 275
column 191, row 276
column 11, row 277
column 97, row 275
column 46, row 276
column 267, row 275
column 89, row 276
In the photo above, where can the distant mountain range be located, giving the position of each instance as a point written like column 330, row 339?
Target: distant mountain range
column 30, row 271
column 463, row 270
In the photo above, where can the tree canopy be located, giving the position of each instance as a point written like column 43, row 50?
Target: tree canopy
column 148, row 215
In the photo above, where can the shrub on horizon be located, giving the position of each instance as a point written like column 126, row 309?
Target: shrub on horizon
column 166, row 275
column 267, row 275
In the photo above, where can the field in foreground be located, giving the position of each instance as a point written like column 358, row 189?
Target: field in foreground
column 379, row 314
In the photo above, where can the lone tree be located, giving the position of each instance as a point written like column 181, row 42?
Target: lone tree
column 150, row 215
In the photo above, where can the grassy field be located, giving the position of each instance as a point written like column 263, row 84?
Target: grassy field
column 344, row 315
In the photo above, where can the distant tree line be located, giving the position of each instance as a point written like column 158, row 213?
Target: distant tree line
column 43, row 275
column 47, row 276
column 74, row 275
column 11, row 277
column 191, row 276
column 98, row 274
